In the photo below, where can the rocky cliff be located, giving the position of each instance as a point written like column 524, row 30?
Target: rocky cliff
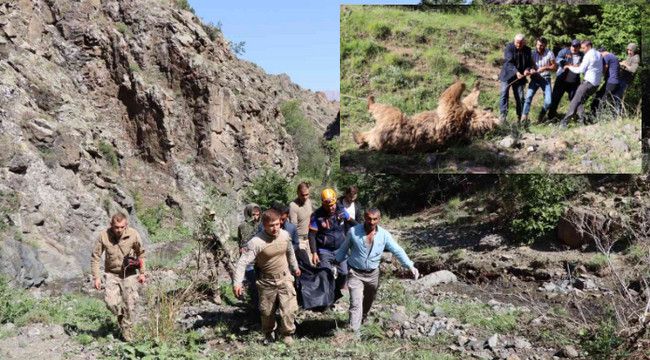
column 102, row 101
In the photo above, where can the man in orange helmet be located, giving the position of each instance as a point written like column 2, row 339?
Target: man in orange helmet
column 327, row 233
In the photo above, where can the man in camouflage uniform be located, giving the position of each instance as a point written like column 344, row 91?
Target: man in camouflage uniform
column 213, row 243
column 245, row 231
column 121, row 282
column 272, row 253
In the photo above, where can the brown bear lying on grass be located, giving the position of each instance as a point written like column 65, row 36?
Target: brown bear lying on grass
column 453, row 121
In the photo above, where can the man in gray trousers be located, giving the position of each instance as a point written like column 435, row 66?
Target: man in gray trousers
column 592, row 67
column 364, row 244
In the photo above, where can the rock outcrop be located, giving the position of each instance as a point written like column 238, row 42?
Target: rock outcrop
column 103, row 101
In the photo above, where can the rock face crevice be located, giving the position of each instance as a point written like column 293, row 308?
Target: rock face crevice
column 105, row 100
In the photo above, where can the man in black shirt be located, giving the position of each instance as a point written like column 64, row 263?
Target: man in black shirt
column 517, row 65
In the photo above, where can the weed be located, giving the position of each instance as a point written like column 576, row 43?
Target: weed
column 393, row 292
column 602, row 342
column 596, row 262
column 268, row 188
column 108, row 153
column 134, row 68
column 213, row 30
column 482, row 315
column 380, row 31
column 637, row 253
column 185, row 5
column 122, row 28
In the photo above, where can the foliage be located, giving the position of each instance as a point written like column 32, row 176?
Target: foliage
column 603, row 342
column 163, row 223
column 213, row 30
column 185, row 5
column 312, row 158
column 268, row 188
column 238, row 48
column 536, row 202
column 8, row 204
column 482, row 315
column 596, row 262
column 14, row 302
column 108, row 152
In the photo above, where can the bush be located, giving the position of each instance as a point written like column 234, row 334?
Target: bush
column 602, row 343
column 9, row 203
column 312, row 156
column 14, row 302
column 268, row 188
column 185, row 5
column 108, row 152
column 536, row 202
column 380, row 31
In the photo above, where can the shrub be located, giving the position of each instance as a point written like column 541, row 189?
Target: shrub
column 213, row 30
column 268, row 188
column 536, row 202
column 8, row 204
column 596, row 263
column 312, row 157
column 380, row 31
column 603, row 342
column 185, row 5
column 14, row 302
column 108, row 152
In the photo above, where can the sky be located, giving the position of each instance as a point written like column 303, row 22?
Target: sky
column 296, row 37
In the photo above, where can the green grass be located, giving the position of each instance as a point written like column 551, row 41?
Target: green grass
column 482, row 315
column 108, row 153
column 596, row 262
column 393, row 292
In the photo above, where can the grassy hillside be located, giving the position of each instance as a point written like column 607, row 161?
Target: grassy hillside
column 406, row 58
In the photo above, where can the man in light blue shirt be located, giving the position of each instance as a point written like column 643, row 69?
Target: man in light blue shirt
column 592, row 67
column 365, row 243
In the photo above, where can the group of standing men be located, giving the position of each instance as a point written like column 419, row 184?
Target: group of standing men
column 604, row 76
column 332, row 236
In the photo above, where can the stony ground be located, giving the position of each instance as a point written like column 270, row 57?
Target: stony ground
column 479, row 298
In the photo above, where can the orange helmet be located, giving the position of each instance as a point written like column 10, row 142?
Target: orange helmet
column 328, row 196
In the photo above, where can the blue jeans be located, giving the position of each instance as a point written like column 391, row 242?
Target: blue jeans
column 536, row 83
column 517, row 89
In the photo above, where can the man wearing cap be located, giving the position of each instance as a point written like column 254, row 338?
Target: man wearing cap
column 544, row 63
column 272, row 253
column 300, row 211
column 516, row 66
column 628, row 68
column 327, row 234
column 610, row 82
column 592, row 67
column 565, row 81
column 214, row 244
column 363, row 247
column 121, row 283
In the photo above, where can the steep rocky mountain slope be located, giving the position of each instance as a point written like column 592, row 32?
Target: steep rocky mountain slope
column 105, row 104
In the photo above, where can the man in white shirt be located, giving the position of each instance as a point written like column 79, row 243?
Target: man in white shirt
column 592, row 67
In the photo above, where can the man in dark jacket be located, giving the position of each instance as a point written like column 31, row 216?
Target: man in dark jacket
column 566, row 81
column 327, row 233
column 516, row 66
column 605, row 95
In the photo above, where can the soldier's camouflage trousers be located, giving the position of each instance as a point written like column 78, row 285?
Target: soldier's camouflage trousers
column 120, row 296
column 274, row 292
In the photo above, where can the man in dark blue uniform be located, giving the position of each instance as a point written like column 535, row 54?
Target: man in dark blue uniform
column 327, row 233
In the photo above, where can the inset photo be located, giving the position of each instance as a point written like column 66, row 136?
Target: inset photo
column 491, row 89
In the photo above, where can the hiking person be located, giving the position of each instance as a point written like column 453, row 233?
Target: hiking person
column 349, row 202
column 327, row 234
column 300, row 211
column 516, row 66
column 272, row 253
column 363, row 247
column 214, row 244
column 245, row 231
column 565, row 81
column 629, row 67
column 124, row 258
column 592, row 67
column 543, row 64
column 610, row 82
